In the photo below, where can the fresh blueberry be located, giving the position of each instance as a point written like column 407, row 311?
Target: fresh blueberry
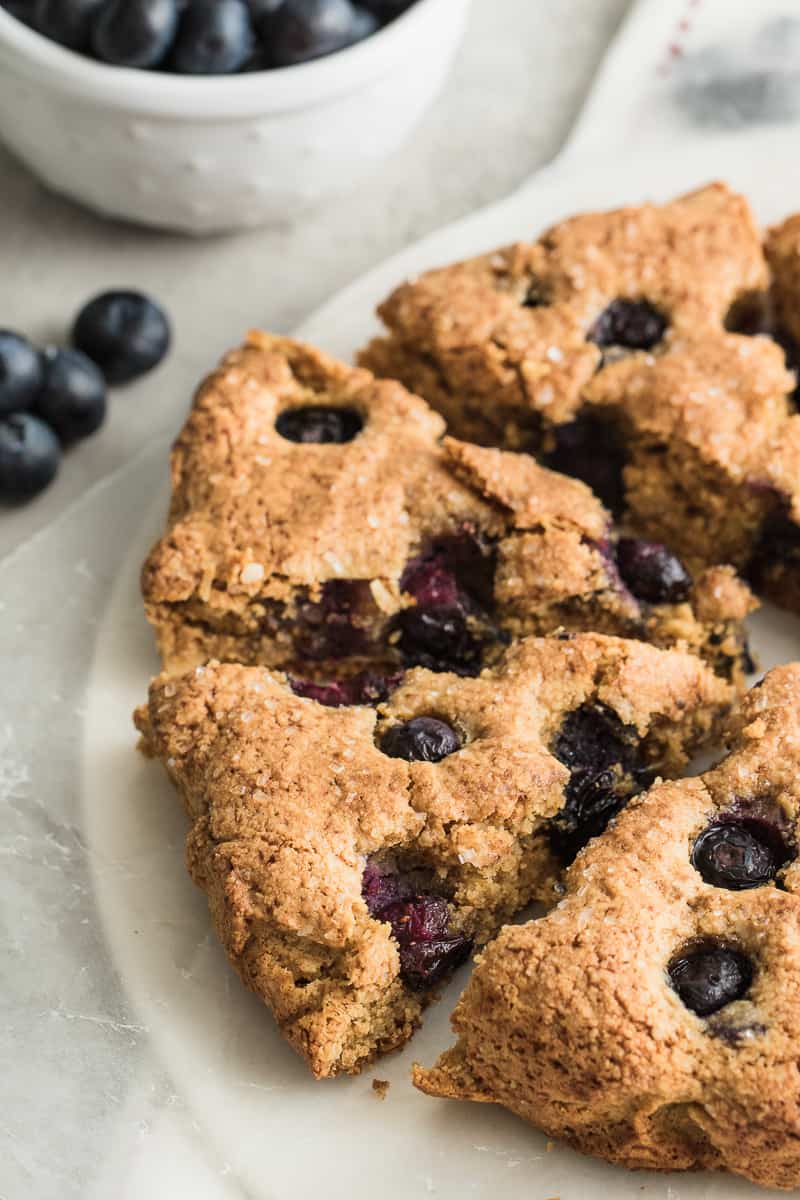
column 68, row 22
column 125, row 333
column 215, row 37
column 21, row 372
column 259, row 9
column 135, row 33
column 387, row 10
column 318, row 425
column 300, row 30
column 364, row 688
column 73, row 398
column 599, row 750
column 633, row 324
column 710, row 976
column 652, row 572
column 30, row 456
column 591, row 450
column 422, row 739
column 420, row 924
column 23, row 10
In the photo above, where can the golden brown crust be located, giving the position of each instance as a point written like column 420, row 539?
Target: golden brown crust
column 288, row 799
column 260, row 526
column 705, row 420
column 499, row 371
column 570, row 1021
column 704, row 426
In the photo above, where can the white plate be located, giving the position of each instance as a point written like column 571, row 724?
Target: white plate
column 258, row 1115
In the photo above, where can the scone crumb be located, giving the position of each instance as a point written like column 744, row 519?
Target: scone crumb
column 380, row 1087
column 755, row 730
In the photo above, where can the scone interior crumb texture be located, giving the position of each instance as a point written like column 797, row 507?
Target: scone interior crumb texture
column 652, row 1016
column 352, row 856
column 651, row 351
column 322, row 525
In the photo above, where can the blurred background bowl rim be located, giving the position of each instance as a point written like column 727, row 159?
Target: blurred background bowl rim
column 216, row 96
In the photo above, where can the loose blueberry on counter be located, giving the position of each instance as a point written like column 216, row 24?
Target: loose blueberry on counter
column 652, row 572
column 591, row 450
column 124, row 332
column 73, row 398
column 422, row 739
column 594, row 744
column 30, row 456
column 301, row 30
column 709, row 977
column 744, row 847
column 135, row 33
column 68, row 22
column 365, row 688
column 632, row 324
column 21, row 372
column 318, row 425
column 215, row 37
column 420, row 924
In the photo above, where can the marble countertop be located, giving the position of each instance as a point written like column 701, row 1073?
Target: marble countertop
column 521, row 76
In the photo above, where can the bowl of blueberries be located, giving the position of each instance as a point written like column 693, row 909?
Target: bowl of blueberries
column 209, row 115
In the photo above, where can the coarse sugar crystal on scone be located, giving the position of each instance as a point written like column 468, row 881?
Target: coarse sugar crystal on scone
column 652, row 1017
column 320, row 524
column 352, row 856
column 503, row 344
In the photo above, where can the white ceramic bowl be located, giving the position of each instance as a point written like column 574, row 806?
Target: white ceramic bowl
column 209, row 154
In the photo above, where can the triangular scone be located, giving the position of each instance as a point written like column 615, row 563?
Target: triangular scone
column 388, row 547
column 503, row 344
column 351, row 857
column 652, row 351
column 652, row 1018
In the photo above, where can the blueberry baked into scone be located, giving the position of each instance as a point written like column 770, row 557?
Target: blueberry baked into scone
column 650, row 351
column 651, row 1018
column 320, row 524
column 353, row 855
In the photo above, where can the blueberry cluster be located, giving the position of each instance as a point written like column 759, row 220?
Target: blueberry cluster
column 50, row 398
column 206, row 37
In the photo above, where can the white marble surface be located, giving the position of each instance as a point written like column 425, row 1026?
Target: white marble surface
column 518, row 83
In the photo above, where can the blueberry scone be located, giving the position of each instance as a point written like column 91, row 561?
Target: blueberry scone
column 652, row 1017
column 504, row 344
column 353, row 854
column 320, row 524
column 650, row 351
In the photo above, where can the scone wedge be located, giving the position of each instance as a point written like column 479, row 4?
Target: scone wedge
column 652, row 1018
column 352, row 856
